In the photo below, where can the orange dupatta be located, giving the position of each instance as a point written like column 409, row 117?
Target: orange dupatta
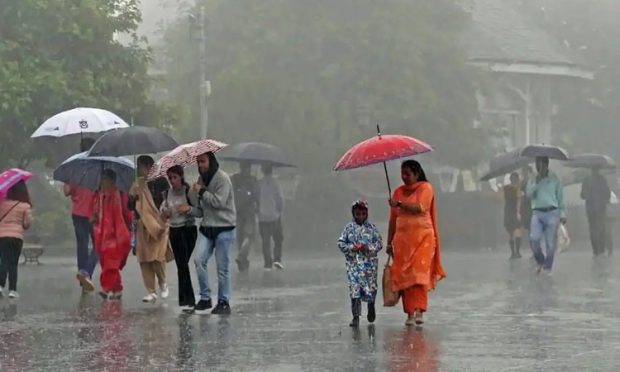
column 417, row 252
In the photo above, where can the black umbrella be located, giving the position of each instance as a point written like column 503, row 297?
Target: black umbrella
column 592, row 161
column 505, row 163
column 256, row 152
column 544, row 151
column 133, row 141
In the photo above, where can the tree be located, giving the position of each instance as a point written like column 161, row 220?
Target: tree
column 305, row 74
column 56, row 55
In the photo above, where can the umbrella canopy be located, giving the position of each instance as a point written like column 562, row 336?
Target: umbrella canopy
column 545, row 151
column 591, row 161
column 184, row 155
column 79, row 121
column 11, row 177
column 256, row 152
column 505, row 163
column 84, row 170
column 133, row 141
column 380, row 149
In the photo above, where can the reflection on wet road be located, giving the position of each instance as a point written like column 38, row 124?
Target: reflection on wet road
column 489, row 315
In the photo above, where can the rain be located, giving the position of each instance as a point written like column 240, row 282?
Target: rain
column 328, row 185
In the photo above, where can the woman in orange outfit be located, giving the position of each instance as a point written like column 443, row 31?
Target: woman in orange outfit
column 413, row 241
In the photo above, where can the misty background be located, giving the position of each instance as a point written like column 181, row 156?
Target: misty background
column 471, row 77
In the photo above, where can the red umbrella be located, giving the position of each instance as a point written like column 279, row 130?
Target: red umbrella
column 184, row 155
column 381, row 149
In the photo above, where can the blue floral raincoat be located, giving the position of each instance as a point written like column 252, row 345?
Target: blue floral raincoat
column 362, row 266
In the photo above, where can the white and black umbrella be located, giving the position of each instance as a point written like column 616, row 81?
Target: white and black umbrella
column 80, row 121
column 133, row 141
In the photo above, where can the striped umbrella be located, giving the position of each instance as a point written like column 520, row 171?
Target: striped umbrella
column 184, row 155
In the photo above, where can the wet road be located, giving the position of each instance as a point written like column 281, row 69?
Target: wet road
column 489, row 315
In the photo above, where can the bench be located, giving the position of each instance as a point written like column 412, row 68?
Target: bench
column 31, row 253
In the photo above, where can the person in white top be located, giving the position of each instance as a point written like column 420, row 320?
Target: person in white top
column 271, row 206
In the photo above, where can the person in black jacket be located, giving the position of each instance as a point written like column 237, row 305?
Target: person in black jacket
column 596, row 193
column 247, row 192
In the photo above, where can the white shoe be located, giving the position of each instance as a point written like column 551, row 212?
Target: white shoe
column 151, row 297
column 278, row 265
column 13, row 294
column 164, row 291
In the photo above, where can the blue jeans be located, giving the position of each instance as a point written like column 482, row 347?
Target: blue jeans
column 205, row 248
column 86, row 258
column 544, row 226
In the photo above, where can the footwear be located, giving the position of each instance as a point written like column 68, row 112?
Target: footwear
column 546, row 272
column 85, row 282
column 355, row 322
column 115, row 295
column 268, row 269
column 1, row 292
column 187, row 308
column 410, row 320
column 222, row 308
column 203, row 306
column 242, row 265
column 418, row 317
column 104, row 295
column 13, row 294
column 372, row 315
column 151, row 297
column 278, row 265
column 164, row 291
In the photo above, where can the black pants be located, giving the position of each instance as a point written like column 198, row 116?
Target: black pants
column 246, row 231
column 598, row 224
column 10, row 250
column 183, row 240
column 271, row 231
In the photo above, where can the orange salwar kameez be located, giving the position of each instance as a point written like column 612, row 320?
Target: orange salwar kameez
column 417, row 259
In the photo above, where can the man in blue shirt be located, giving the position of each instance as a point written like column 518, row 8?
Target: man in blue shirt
column 548, row 208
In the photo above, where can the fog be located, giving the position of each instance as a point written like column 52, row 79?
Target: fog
column 493, row 86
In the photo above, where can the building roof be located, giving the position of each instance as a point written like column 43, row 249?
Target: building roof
column 502, row 38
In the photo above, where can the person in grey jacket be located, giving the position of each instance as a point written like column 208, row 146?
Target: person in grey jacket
column 213, row 200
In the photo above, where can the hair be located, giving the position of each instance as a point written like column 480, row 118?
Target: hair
column 19, row 192
column 179, row 171
column 145, row 161
column 416, row 168
column 110, row 174
column 543, row 160
column 86, row 144
column 514, row 175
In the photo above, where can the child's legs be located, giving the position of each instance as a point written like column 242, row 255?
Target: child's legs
column 415, row 298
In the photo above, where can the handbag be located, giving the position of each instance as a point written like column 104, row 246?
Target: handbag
column 390, row 297
column 9, row 211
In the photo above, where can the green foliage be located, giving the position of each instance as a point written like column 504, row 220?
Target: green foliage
column 304, row 74
column 56, row 55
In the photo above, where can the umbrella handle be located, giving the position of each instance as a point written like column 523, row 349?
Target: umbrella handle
column 387, row 178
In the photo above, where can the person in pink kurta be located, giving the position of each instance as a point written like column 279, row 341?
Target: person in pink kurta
column 15, row 217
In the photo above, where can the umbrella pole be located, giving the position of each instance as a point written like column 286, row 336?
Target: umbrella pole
column 387, row 177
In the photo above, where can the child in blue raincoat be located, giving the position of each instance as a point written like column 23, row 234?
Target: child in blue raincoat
column 360, row 243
